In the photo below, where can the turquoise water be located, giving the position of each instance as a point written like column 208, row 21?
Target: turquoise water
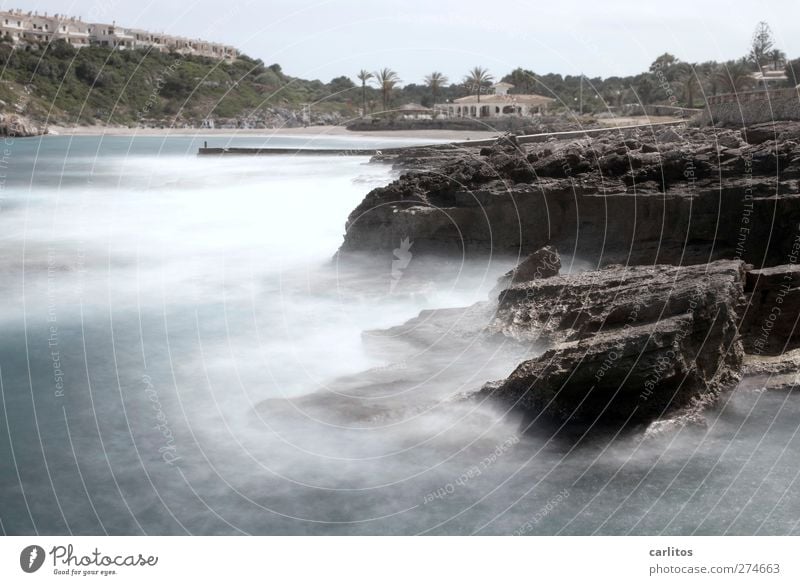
column 159, row 307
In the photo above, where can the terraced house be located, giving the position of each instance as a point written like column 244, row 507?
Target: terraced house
column 30, row 27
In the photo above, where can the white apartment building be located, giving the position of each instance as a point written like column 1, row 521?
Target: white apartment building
column 31, row 27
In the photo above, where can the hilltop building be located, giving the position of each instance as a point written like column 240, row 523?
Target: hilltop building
column 30, row 27
column 499, row 103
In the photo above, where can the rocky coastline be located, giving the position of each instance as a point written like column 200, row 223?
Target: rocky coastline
column 15, row 125
column 691, row 236
column 674, row 196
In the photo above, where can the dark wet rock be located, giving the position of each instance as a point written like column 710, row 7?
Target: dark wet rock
column 576, row 306
column 645, row 375
column 648, row 148
column 630, row 345
column 543, row 263
column 760, row 134
column 729, row 139
column 620, row 197
column 668, row 136
column 771, row 324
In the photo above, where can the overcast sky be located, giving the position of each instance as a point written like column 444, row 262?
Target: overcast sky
column 324, row 39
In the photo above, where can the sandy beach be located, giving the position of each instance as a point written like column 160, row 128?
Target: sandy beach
column 333, row 131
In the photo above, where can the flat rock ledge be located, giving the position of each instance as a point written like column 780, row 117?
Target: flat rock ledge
column 780, row 372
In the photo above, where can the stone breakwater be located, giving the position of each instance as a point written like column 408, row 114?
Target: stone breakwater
column 694, row 233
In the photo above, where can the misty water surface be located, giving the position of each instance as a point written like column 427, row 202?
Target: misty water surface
column 159, row 309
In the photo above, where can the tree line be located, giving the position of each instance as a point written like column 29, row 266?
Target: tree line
column 112, row 85
column 668, row 80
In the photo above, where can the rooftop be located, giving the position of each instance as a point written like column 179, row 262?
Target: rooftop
column 530, row 99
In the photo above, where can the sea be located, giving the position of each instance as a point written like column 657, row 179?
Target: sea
column 182, row 352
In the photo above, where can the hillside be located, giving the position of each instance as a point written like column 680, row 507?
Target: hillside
column 58, row 84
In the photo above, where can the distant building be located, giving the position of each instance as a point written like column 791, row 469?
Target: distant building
column 32, row 27
column 414, row 111
column 111, row 35
column 499, row 103
column 771, row 76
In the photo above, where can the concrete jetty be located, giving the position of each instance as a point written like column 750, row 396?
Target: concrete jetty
column 527, row 138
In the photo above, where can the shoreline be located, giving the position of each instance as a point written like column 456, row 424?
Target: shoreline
column 317, row 131
column 323, row 131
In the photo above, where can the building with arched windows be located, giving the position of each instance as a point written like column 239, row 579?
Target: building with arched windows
column 499, row 103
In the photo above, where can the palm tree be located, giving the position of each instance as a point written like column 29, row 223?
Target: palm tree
column 387, row 79
column 435, row 81
column 364, row 76
column 687, row 77
column 735, row 77
column 477, row 78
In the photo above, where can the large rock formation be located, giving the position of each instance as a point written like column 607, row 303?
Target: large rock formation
column 675, row 195
column 14, row 125
column 626, row 343
column 672, row 214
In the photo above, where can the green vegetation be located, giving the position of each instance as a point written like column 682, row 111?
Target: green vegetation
column 99, row 85
column 387, row 80
column 668, row 81
column 63, row 85
column 436, row 81
column 364, row 76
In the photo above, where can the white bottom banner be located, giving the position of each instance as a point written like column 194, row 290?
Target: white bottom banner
column 401, row 560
